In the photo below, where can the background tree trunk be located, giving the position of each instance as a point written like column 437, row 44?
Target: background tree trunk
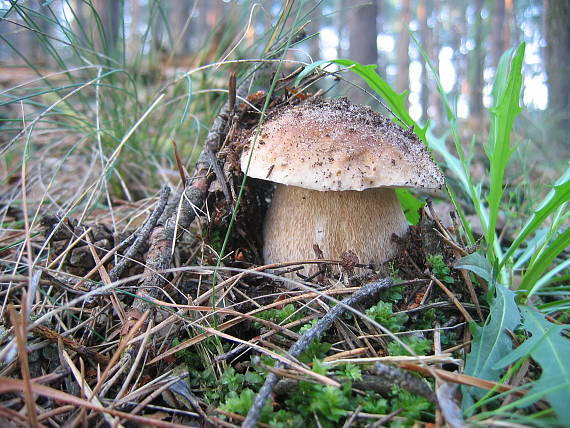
column 339, row 23
column 498, row 42
column 383, row 61
column 403, row 60
column 424, row 11
column 110, row 12
column 434, row 112
column 313, row 28
column 133, row 47
column 557, row 58
column 362, row 39
column 179, row 16
column 476, row 65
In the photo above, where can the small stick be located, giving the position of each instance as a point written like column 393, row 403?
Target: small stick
column 435, row 217
column 159, row 255
column 404, row 380
column 461, row 378
column 85, row 352
column 453, row 299
column 456, row 228
column 446, row 290
column 472, row 292
column 348, row 423
column 219, row 173
column 382, row 422
column 179, row 165
column 232, row 92
column 19, row 325
column 365, row 293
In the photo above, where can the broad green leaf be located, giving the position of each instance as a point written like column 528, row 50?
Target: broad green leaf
column 507, row 93
column 557, row 196
column 550, row 349
column 410, row 205
column 491, row 342
column 478, row 264
column 451, row 161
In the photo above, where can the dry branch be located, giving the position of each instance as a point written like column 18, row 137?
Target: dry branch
column 404, row 380
column 159, row 255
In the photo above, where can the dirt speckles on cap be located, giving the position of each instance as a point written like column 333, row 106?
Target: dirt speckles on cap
column 315, row 144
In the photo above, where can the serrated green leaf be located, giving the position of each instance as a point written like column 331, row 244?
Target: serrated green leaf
column 507, row 93
column 491, row 342
column 550, row 349
column 476, row 263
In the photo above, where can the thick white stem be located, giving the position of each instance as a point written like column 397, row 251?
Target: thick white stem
column 337, row 221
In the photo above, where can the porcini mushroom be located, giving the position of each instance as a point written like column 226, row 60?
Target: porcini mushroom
column 335, row 165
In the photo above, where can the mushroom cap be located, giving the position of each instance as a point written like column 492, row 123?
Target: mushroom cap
column 332, row 144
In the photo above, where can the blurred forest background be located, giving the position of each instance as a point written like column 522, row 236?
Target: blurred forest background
column 463, row 39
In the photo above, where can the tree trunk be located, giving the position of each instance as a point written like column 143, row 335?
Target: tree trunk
column 457, row 13
column 339, row 23
column 403, row 77
column 434, row 112
column 313, row 30
column 424, row 10
column 110, row 12
column 498, row 42
column 382, row 57
column 476, row 65
column 557, row 58
column 179, row 23
column 362, row 38
column 133, row 47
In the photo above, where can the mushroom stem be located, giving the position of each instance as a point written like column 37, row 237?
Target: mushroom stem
column 361, row 221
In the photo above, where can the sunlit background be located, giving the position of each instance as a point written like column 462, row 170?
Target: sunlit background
column 462, row 39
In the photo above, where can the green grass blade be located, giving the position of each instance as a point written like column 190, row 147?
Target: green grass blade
column 396, row 102
column 529, row 282
column 461, row 163
column 550, row 349
column 558, row 195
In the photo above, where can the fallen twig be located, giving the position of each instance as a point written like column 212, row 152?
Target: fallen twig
column 460, row 378
column 84, row 351
column 404, row 380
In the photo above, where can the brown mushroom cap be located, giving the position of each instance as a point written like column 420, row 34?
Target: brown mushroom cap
column 332, row 144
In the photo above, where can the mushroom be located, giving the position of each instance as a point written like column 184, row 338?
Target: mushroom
column 335, row 165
